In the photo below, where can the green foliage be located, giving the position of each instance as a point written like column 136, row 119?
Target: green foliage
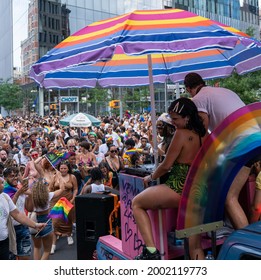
column 247, row 86
column 97, row 94
column 250, row 31
column 10, row 96
column 135, row 99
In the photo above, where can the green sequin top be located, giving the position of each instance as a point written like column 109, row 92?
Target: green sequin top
column 177, row 176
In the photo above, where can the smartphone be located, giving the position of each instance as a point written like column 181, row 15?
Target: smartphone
column 25, row 180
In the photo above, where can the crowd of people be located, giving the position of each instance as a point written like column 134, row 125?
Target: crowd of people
column 97, row 155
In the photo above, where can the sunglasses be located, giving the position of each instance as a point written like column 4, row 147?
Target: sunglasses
column 113, row 151
column 159, row 127
column 34, row 155
column 71, row 146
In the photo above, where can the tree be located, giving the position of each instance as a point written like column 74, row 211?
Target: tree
column 247, row 86
column 10, row 96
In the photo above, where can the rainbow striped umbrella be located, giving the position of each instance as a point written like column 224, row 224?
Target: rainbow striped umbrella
column 124, row 70
column 145, row 32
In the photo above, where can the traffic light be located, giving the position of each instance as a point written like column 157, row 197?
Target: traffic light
column 53, row 106
column 114, row 104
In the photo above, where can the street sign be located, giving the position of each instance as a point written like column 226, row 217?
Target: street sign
column 68, row 99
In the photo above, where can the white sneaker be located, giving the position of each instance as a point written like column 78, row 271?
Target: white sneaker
column 70, row 240
column 53, row 249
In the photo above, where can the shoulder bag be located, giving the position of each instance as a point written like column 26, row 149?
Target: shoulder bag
column 11, row 234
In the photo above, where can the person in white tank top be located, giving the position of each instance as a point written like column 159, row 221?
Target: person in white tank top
column 95, row 184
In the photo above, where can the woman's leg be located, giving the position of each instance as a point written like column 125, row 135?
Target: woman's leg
column 54, row 239
column 256, row 207
column 195, row 249
column 156, row 197
column 37, row 248
column 47, row 245
column 235, row 212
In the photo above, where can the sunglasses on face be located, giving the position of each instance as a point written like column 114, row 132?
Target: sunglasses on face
column 34, row 155
column 113, row 151
column 159, row 127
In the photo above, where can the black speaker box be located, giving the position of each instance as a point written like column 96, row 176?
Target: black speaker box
column 92, row 221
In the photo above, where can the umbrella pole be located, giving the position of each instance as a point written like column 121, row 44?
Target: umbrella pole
column 155, row 144
column 153, row 111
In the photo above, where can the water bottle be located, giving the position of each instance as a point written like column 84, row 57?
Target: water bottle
column 209, row 256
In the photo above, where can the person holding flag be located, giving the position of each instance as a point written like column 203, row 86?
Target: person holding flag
column 41, row 200
column 66, row 180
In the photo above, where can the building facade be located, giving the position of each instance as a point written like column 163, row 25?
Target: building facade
column 239, row 14
column 6, row 40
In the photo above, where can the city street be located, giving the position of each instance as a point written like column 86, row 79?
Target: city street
column 65, row 251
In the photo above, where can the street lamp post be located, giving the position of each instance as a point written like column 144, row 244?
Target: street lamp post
column 49, row 100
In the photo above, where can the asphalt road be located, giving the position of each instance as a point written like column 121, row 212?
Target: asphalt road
column 65, row 251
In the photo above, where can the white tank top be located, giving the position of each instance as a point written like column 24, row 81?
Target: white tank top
column 97, row 188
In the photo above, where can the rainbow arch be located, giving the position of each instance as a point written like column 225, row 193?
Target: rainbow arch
column 234, row 142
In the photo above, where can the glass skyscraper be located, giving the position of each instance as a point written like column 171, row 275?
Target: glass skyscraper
column 85, row 12
column 239, row 14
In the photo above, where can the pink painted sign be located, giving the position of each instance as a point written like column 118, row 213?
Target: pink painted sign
column 130, row 186
column 132, row 241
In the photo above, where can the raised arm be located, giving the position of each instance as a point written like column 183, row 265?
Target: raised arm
column 38, row 166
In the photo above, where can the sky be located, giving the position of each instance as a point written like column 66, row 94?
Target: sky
column 20, row 27
column 20, row 15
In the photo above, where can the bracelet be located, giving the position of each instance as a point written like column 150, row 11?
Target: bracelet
column 36, row 225
column 151, row 177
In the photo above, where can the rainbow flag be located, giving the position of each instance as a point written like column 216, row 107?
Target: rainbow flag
column 133, row 151
column 127, row 114
column 55, row 157
column 61, row 209
column 47, row 129
column 9, row 189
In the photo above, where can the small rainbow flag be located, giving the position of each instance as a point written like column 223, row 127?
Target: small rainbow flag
column 127, row 114
column 55, row 157
column 47, row 129
column 61, row 209
column 133, row 151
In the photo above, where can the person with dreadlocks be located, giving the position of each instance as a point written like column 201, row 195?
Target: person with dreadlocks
column 41, row 200
column 186, row 142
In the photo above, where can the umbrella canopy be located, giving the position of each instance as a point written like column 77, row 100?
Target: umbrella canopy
column 127, row 71
column 80, row 120
column 142, row 32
